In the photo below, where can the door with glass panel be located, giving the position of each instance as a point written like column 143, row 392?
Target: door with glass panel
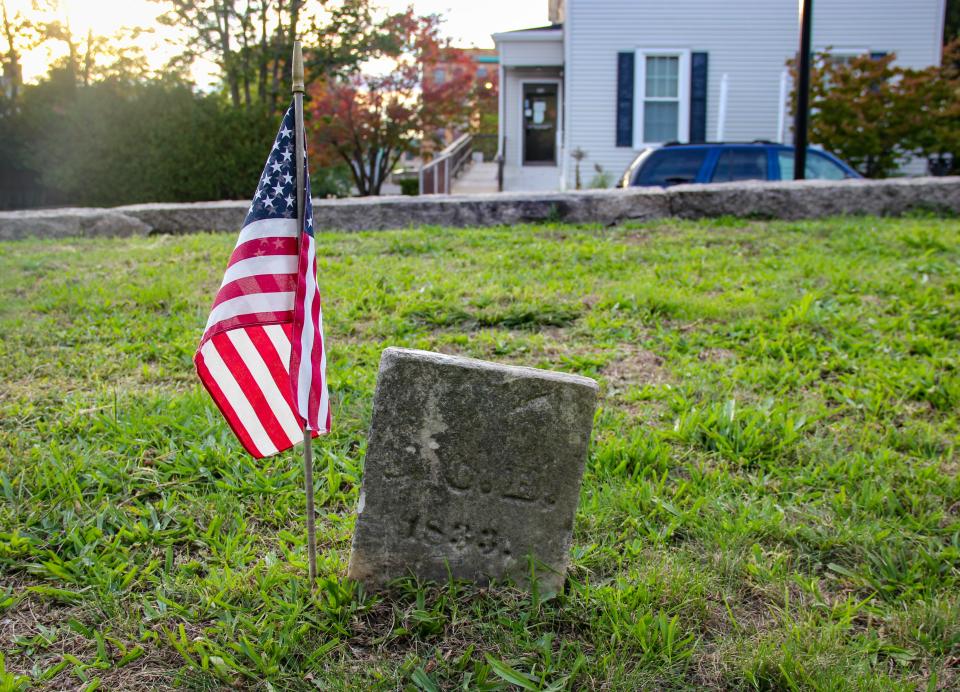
column 540, row 124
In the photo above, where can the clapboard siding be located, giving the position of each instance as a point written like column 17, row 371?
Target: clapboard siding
column 531, row 53
column 747, row 40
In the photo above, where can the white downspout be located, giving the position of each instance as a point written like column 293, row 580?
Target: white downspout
column 565, row 94
column 722, row 107
column 782, row 109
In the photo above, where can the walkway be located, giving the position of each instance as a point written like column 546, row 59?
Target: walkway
column 477, row 179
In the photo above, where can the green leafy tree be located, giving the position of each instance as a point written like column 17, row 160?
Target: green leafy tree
column 930, row 101
column 876, row 115
column 854, row 112
column 19, row 34
column 252, row 41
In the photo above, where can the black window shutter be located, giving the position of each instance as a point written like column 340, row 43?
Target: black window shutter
column 625, row 63
column 698, row 97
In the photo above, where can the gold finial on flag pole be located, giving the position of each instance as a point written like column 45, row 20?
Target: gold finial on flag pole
column 297, row 68
column 300, row 143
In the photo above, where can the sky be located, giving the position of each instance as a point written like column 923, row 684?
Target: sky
column 467, row 22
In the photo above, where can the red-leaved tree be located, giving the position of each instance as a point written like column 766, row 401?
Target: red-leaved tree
column 877, row 115
column 368, row 120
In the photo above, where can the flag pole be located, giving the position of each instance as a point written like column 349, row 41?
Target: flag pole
column 298, row 89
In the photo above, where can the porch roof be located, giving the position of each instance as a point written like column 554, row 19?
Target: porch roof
column 539, row 46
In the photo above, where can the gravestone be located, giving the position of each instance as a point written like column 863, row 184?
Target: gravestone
column 472, row 471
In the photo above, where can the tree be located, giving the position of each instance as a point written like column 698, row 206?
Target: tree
column 20, row 35
column 876, row 115
column 951, row 22
column 369, row 121
column 853, row 112
column 930, row 101
column 209, row 25
column 252, row 40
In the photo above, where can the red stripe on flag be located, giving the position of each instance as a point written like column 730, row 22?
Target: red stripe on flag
column 261, row 407
column 220, row 399
column 276, row 367
column 316, row 351
column 260, row 247
column 260, row 283
column 249, row 320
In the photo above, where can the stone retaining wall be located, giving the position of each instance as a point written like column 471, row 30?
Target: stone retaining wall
column 773, row 200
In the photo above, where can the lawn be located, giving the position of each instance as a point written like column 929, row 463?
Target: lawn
column 771, row 498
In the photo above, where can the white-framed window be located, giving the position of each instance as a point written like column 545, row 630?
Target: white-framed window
column 844, row 56
column 662, row 97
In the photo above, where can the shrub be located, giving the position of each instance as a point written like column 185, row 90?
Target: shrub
column 110, row 143
column 876, row 115
column 410, row 186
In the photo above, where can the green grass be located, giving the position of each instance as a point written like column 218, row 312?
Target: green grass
column 771, row 499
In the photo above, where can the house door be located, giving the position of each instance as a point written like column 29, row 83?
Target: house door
column 540, row 124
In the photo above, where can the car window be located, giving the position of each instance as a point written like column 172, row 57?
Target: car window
column 671, row 167
column 741, row 164
column 818, row 167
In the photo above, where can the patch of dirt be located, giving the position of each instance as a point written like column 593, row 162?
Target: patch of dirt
column 716, row 355
column 451, row 349
column 642, row 237
column 553, row 343
column 590, row 300
column 709, row 666
column 634, row 367
column 39, row 618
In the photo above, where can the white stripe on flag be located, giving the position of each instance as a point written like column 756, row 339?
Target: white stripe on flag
column 238, row 401
column 324, row 394
column 249, row 304
column 305, row 376
column 254, row 361
column 255, row 266
column 268, row 228
column 281, row 343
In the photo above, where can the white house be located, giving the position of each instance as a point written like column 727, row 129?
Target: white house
column 611, row 76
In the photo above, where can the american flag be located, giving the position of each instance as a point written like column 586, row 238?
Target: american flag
column 262, row 356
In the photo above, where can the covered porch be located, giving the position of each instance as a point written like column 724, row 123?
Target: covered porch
column 530, row 140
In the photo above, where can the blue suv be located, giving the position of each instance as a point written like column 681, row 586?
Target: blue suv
column 673, row 164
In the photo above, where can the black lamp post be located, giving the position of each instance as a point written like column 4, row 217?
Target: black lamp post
column 803, row 92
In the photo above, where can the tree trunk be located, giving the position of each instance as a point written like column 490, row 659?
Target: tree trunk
column 245, row 26
column 356, row 172
column 74, row 58
column 12, row 64
column 88, row 59
column 277, row 59
column 294, row 20
column 223, row 11
column 264, row 56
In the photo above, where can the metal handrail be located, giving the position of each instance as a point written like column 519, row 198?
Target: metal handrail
column 500, row 164
column 436, row 177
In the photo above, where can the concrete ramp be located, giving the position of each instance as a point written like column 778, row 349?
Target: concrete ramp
column 479, row 178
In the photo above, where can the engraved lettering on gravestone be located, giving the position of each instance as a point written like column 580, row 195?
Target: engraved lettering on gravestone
column 471, row 467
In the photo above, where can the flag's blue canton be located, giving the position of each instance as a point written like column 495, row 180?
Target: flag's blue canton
column 276, row 195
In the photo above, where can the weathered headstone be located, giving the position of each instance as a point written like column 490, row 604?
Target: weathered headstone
column 472, row 469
